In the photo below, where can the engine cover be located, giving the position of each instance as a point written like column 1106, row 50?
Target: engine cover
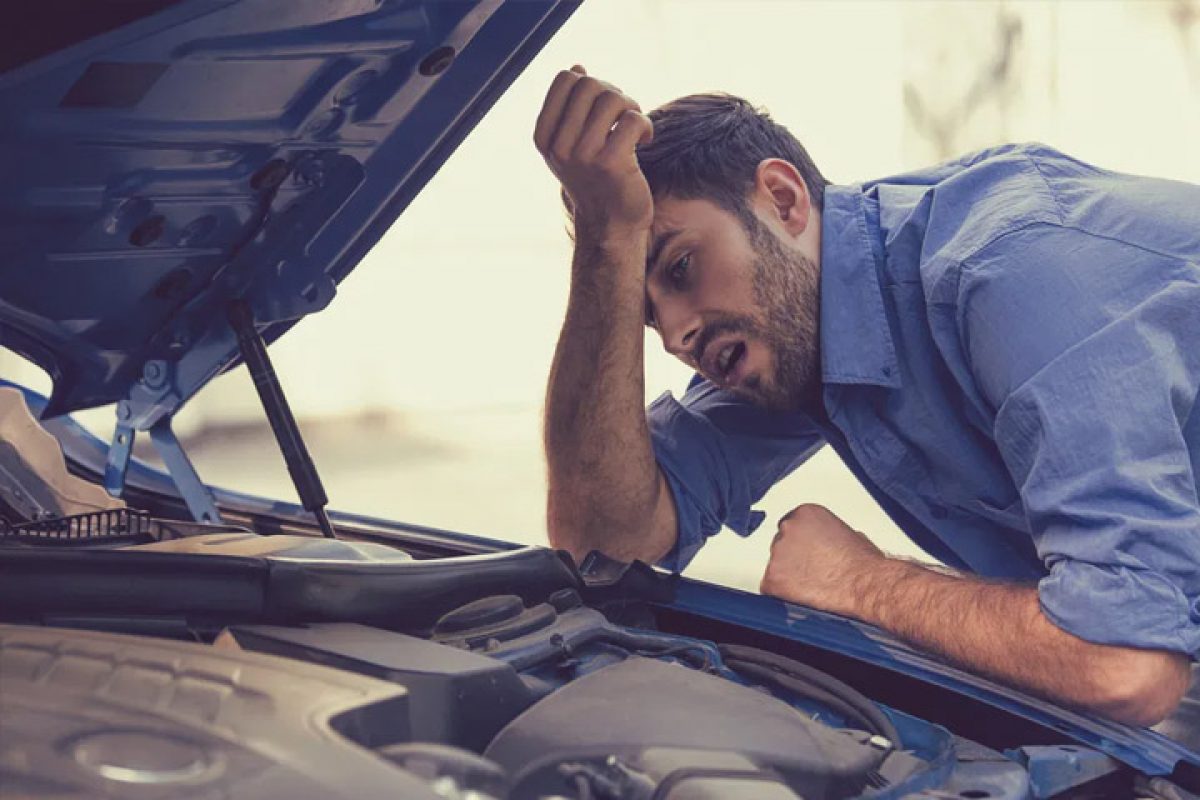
column 86, row 715
column 625, row 710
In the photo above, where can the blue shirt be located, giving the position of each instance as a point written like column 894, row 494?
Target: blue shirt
column 1010, row 352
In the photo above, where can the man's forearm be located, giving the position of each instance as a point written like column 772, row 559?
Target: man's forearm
column 604, row 485
column 1000, row 629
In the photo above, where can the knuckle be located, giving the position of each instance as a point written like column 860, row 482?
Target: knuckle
column 611, row 98
column 638, row 119
column 560, row 152
column 801, row 514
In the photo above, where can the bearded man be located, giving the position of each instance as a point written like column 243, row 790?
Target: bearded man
column 1004, row 350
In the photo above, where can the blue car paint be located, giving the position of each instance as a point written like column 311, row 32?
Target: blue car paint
column 269, row 147
column 1139, row 748
column 167, row 217
column 1052, row 769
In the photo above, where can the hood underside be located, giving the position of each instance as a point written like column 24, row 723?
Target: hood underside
column 209, row 150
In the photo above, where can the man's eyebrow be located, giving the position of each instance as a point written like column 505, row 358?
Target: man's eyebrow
column 657, row 246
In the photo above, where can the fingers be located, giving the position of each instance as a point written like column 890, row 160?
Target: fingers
column 552, row 108
column 632, row 128
column 606, row 110
column 582, row 116
column 586, row 93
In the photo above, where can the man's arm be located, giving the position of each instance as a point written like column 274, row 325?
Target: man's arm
column 605, row 489
column 994, row 629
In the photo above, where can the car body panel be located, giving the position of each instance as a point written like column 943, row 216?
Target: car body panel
column 221, row 149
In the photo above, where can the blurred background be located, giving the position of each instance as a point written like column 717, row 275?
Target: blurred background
column 420, row 389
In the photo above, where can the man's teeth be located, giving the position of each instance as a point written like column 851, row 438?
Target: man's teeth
column 725, row 357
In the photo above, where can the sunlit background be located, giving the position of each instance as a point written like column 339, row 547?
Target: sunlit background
column 420, row 389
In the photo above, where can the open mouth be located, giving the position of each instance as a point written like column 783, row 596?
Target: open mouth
column 728, row 359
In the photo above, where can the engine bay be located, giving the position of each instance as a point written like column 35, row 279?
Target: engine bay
column 503, row 700
column 188, row 659
column 147, row 656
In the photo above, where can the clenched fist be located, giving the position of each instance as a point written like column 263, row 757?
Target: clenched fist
column 819, row 561
column 587, row 132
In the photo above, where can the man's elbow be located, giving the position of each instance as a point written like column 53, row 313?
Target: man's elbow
column 564, row 531
column 1140, row 687
column 562, row 539
column 578, row 527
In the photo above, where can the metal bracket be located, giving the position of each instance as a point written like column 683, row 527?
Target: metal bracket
column 158, row 379
column 1055, row 768
column 197, row 496
column 119, row 452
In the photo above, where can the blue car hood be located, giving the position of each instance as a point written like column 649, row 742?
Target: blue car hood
column 178, row 155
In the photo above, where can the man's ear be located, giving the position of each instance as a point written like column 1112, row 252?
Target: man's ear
column 783, row 195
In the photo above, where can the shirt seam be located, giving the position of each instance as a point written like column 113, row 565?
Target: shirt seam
column 960, row 321
column 1062, row 222
column 1062, row 215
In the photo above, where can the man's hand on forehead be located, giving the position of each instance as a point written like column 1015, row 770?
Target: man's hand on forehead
column 588, row 132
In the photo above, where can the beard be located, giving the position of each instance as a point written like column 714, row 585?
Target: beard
column 787, row 290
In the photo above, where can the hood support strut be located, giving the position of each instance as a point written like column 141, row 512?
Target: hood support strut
column 287, row 433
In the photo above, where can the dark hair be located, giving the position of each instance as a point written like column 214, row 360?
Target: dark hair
column 709, row 146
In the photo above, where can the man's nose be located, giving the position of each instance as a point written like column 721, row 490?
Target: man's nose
column 678, row 325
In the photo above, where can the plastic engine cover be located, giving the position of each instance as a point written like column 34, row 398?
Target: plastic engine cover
column 628, row 708
column 88, row 715
column 455, row 697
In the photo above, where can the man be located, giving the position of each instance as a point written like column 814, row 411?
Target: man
column 1004, row 349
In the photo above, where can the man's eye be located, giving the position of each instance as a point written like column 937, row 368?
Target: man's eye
column 677, row 273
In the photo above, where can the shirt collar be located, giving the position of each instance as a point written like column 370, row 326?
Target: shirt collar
column 856, row 341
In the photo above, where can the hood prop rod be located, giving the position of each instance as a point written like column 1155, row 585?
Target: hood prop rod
column 287, row 433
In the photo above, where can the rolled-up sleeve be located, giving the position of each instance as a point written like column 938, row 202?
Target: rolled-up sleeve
column 720, row 455
column 1088, row 350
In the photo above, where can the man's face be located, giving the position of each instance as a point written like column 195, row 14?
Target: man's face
column 739, row 306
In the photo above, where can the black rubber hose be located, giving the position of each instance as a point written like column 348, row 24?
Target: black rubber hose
column 809, row 679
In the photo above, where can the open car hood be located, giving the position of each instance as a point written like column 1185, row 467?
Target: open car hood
column 183, row 154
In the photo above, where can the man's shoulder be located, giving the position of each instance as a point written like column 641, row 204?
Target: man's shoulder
column 958, row 207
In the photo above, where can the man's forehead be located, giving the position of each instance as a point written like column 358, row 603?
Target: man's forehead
column 679, row 214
